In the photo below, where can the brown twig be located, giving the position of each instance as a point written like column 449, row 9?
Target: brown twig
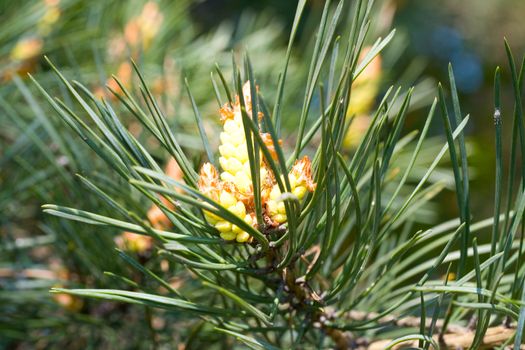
column 457, row 337
column 495, row 336
column 408, row 321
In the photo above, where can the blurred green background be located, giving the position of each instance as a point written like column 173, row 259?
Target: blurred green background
column 171, row 40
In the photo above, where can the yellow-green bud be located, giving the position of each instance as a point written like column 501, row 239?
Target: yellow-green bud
column 300, row 179
column 233, row 189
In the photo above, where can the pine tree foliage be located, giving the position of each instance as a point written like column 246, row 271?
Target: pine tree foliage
column 348, row 264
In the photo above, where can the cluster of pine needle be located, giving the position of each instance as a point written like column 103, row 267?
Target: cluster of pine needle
column 215, row 215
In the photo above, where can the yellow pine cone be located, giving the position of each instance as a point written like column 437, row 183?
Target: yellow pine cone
column 51, row 16
column 234, row 159
column 233, row 188
column 26, row 49
column 156, row 216
column 364, row 92
column 141, row 30
column 366, row 86
column 67, row 301
column 225, row 195
column 140, row 243
column 357, row 130
column 300, row 178
column 134, row 242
